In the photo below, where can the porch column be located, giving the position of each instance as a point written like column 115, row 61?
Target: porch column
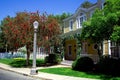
column 109, row 47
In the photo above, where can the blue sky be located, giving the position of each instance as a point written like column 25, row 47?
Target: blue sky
column 11, row 7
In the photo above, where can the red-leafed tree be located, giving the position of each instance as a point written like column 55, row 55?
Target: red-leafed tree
column 8, row 30
column 49, row 31
column 19, row 31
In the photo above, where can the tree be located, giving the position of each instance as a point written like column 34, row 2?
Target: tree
column 2, row 36
column 59, row 19
column 50, row 33
column 86, row 4
column 19, row 30
column 104, row 25
column 2, row 40
column 96, row 32
column 114, row 18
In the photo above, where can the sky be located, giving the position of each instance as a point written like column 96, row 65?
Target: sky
column 11, row 7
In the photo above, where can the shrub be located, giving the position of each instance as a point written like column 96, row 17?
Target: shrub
column 108, row 65
column 21, row 62
column 40, row 62
column 118, row 67
column 53, row 59
column 83, row 64
column 18, row 62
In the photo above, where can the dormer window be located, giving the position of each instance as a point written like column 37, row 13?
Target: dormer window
column 80, row 19
column 71, row 25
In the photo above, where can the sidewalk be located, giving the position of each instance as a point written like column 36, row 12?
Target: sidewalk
column 41, row 75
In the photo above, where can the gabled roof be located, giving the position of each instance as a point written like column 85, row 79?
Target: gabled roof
column 85, row 9
column 69, row 17
column 82, row 9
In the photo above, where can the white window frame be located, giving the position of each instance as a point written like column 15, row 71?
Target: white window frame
column 79, row 22
column 71, row 25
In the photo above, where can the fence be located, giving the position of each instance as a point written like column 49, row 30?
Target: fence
column 3, row 55
column 22, row 55
column 10, row 55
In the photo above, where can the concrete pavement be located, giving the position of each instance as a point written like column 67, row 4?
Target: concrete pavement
column 42, row 75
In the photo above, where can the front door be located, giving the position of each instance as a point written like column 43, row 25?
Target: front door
column 70, row 50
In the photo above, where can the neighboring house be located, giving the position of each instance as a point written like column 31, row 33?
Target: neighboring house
column 73, row 25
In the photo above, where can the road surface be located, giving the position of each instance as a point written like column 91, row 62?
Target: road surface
column 8, row 75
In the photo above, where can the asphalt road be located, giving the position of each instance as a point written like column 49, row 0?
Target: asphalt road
column 8, row 75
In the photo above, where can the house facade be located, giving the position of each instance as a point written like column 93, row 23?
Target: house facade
column 73, row 26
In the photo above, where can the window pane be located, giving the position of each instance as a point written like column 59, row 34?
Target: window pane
column 69, row 50
column 81, row 21
column 70, row 25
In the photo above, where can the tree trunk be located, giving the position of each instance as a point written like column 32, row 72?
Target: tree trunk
column 28, row 55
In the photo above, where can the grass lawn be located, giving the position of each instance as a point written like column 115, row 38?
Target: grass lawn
column 6, row 61
column 70, row 72
column 20, row 62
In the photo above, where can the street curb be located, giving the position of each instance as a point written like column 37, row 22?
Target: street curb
column 25, row 74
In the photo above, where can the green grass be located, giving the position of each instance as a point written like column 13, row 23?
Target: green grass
column 21, row 62
column 70, row 72
column 6, row 61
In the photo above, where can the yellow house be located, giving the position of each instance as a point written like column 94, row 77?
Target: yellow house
column 73, row 25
